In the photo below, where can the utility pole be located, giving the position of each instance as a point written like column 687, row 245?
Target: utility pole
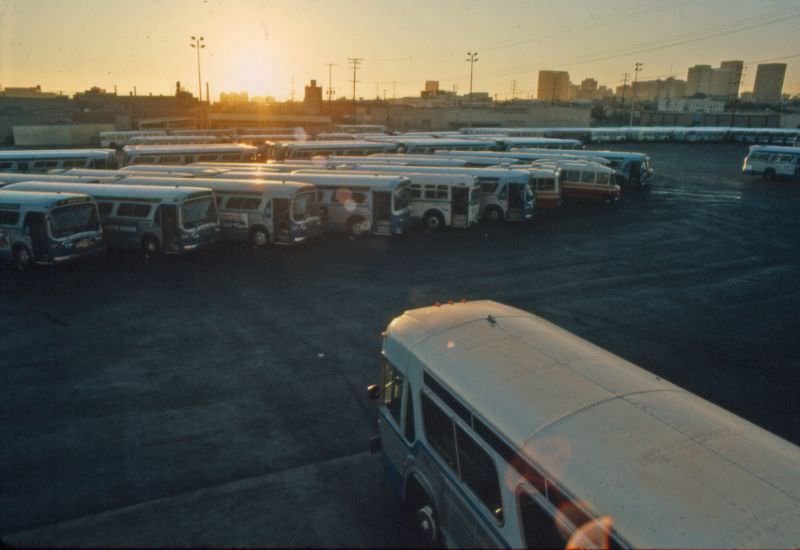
column 355, row 63
column 208, row 94
column 197, row 43
column 637, row 67
column 472, row 57
column 330, row 87
column 622, row 102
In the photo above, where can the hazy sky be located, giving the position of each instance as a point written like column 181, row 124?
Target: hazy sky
column 257, row 45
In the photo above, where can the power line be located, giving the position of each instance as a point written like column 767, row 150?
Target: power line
column 354, row 63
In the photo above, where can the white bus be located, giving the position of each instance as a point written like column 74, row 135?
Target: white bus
column 505, row 143
column 499, row 429
column 773, row 162
column 358, row 204
column 259, row 212
column 293, row 150
column 430, row 145
column 173, row 220
column 173, row 140
column 8, row 178
column 186, row 154
column 505, row 194
column 42, row 160
column 116, row 139
column 47, row 227
column 400, row 158
column 440, row 200
column 632, row 169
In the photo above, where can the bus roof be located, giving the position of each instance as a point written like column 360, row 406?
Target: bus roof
column 443, row 179
column 342, row 144
column 190, row 148
column 581, row 153
column 33, row 154
column 287, row 187
column 43, row 199
column 14, row 177
column 775, row 149
column 114, row 190
column 403, row 168
column 372, row 181
column 669, row 468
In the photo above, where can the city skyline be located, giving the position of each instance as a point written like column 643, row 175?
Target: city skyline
column 260, row 47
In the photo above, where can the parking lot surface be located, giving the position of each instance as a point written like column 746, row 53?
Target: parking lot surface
column 218, row 399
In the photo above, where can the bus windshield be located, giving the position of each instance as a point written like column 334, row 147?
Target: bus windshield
column 69, row 220
column 303, row 206
column 198, row 212
column 402, row 197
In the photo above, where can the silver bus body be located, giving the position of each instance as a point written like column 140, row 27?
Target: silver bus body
column 261, row 212
column 186, row 154
column 42, row 160
column 773, row 162
column 48, row 227
column 173, row 220
column 500, row 429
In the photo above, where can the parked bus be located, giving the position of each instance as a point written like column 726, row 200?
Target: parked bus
column 176, row 171
column 185, row 154
column 9, row 177
column 259, row 212
column 109, row 176
column 496, row 158
column 773, row 162
column 173, row 140
column 505, row 143
column 169, row 220
column 430, row 145
column 42, row 160
column 440, row 200
column 505, row 194
column 47, row 227
column 116, row 139
column 546, row 184
column 400, row 158
column 584, row 181
column 358, row 204
column 500, row 429
column 293, row 150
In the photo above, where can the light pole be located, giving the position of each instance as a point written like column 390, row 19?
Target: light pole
column 471, row 59
column 637, row 67
column 197, row 43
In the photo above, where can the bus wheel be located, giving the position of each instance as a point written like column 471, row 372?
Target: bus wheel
column 22, row 258
column 493, row 215
column 426, row 525
column 355, row 228
column 259, row 237
column 433, row 221
column 150, row 248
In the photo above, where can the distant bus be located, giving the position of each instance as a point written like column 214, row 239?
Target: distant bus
column 773, row 162
column 632, row 169
column 506, row 195
column 7, row 178
column 173, row 140
column 42, row 160
column 400, row 158
column 430, row 145
column 361, row 128
column 155, row 220
column 498, row 429
column 259, row 212
column 505, row 143
column 116, row 139
column 47, row 227
column 185, row 154
column 309, row 149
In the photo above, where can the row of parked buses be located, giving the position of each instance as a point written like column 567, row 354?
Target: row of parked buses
column 498, row 429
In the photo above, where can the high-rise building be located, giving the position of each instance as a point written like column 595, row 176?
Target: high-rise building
column 769, row 82
column 703, row 79
column 313, row 96
column 736, row 67
column 553, row 86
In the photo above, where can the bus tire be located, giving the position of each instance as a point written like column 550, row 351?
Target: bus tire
column 259, row 237
column 421, row 512
column 433, row 220
column 769, row 174
column 493, row 215
column 355, row 227
column 150, row 247
column 22, row 258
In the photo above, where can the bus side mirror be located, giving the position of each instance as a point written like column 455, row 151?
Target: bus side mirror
column 374, row 391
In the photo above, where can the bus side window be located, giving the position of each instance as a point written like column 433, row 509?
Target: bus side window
column 393, row 391
column 479, row 473
column 104, row 208
column 410, row 431
column 538, row 526
column 442, row 192
column 439, row 431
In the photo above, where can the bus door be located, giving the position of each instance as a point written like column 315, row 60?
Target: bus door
column 516, row 201
column 382, row 212
column 35, row 227
column 167, row 219
column 280, row 220
column 635, row 167
column 460, row 206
